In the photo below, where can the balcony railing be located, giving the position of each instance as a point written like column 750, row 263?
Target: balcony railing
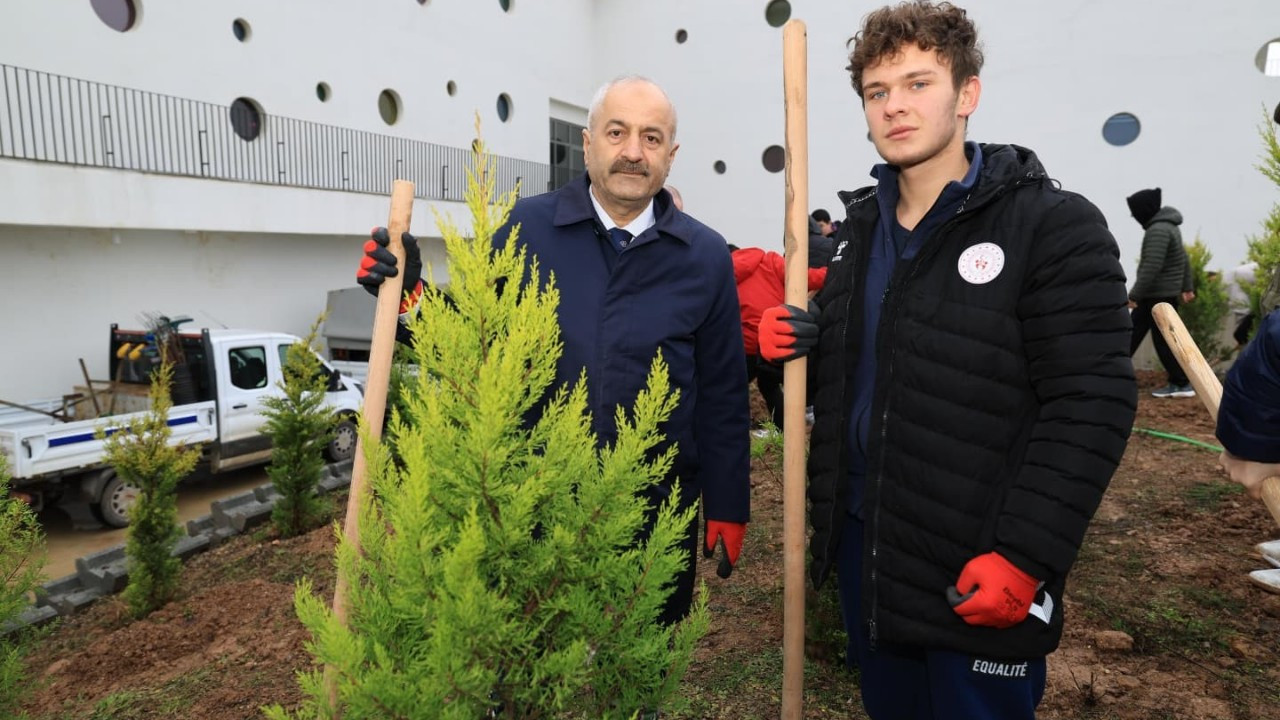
column 58, row 119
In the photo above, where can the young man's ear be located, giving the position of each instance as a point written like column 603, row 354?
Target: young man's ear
column 967, row 102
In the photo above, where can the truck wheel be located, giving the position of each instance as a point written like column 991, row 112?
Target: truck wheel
column 117, row 499
column 343, row 445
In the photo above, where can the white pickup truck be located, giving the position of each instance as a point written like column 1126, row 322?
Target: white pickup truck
column 217, row 406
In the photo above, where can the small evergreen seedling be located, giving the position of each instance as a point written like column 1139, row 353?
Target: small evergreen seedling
column 499, row 572
column 21, row 562
column 1264, row 248
column 1204, row 316
column 142, row 457
column 299, row 426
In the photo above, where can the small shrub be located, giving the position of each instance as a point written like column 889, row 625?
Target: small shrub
column 299, row 426
column 498, row 563
column 1264, row 248
column 142, row 456
column 21, row 560
column 1205, row 317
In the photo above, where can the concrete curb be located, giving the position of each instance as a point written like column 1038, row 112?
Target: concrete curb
column 106, row 573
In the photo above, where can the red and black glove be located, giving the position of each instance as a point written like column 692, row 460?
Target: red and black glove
column 997, row 594
column 730, row 535
column 786, row 332
column 378, row 264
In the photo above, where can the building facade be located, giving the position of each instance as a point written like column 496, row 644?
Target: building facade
column 223, row 160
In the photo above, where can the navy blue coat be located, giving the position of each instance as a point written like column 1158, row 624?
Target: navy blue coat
column 1249, row 416
column 672, row 289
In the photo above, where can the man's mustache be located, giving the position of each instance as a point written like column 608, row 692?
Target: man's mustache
column 624, row 166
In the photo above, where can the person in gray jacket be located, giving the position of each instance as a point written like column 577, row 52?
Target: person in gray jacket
column 1164, row 275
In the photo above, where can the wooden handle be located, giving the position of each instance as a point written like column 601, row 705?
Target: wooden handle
column 796, row 239
column 381, row 349
column 1208, row 389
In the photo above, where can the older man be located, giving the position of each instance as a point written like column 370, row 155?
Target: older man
column 637, row 276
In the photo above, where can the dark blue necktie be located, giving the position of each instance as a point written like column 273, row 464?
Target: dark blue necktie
column 620, row 237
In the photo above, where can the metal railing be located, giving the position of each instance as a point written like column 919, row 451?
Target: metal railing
column 53, row 118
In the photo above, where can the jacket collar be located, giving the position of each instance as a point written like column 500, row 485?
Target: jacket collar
column 1002, row 166
column 574, row 206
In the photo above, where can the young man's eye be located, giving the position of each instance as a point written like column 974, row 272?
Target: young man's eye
column 876, row 95
column 919, row 84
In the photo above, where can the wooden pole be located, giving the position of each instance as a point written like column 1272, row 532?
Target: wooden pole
column 381, row 349
column 1208, row 389
column 97, row 409
column 796, row 238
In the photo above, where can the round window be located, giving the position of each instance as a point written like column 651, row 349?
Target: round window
column 240, row 29
column 777, row 12
column 389, row 106
column 719, row 167
column 1121, row 129
column 1268, row 58
column 246, row 119
column 774, row 158
column 504, row 107
column 119, row 15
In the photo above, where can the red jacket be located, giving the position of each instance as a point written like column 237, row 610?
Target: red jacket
column 761, row 277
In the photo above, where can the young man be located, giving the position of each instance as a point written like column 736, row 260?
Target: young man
column 972, row 391
column 637, row 276
column 1164, row 275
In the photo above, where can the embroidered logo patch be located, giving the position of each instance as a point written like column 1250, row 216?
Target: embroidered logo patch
column 980, row 264
column 839, row 253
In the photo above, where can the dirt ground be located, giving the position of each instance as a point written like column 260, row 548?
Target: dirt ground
column 1162, row 622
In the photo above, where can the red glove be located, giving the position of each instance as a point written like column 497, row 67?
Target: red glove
column 997, row 595
column 786, row 332
column 730, row 535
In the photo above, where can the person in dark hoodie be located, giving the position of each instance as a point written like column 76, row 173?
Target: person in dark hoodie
column 972, row 394
column 1164, row 275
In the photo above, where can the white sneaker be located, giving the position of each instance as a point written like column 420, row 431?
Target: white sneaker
column 762, row 433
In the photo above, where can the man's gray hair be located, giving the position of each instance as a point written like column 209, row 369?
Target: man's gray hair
column 598, row 99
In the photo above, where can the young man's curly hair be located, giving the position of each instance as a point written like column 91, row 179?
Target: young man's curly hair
column 941, row 26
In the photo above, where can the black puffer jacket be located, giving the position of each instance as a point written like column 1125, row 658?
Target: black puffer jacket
column 1003, row 402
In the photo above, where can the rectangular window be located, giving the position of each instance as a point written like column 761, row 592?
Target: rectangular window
column 566, row 152
column 248, row 367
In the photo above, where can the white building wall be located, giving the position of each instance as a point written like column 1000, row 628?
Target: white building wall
column 1055, row 71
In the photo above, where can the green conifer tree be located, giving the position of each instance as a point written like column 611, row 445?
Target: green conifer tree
column 21, row 565
column 499, row 575
column 1205, row 316
column 1264, row 249
column 299, row 426
column 142, row 457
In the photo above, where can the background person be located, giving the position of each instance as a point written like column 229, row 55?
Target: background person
column 1164, row 275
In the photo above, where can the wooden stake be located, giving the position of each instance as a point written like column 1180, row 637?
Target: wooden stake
column 1208, row 389
column 796, row 238
column 381, row 350
column 97, row 410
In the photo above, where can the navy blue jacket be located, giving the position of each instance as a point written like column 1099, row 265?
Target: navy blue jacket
column 1249, row 416
column 672, row 289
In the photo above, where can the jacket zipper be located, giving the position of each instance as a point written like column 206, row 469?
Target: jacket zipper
column 912, row 269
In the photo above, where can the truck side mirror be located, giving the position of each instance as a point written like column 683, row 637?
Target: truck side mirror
column 335, row 380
